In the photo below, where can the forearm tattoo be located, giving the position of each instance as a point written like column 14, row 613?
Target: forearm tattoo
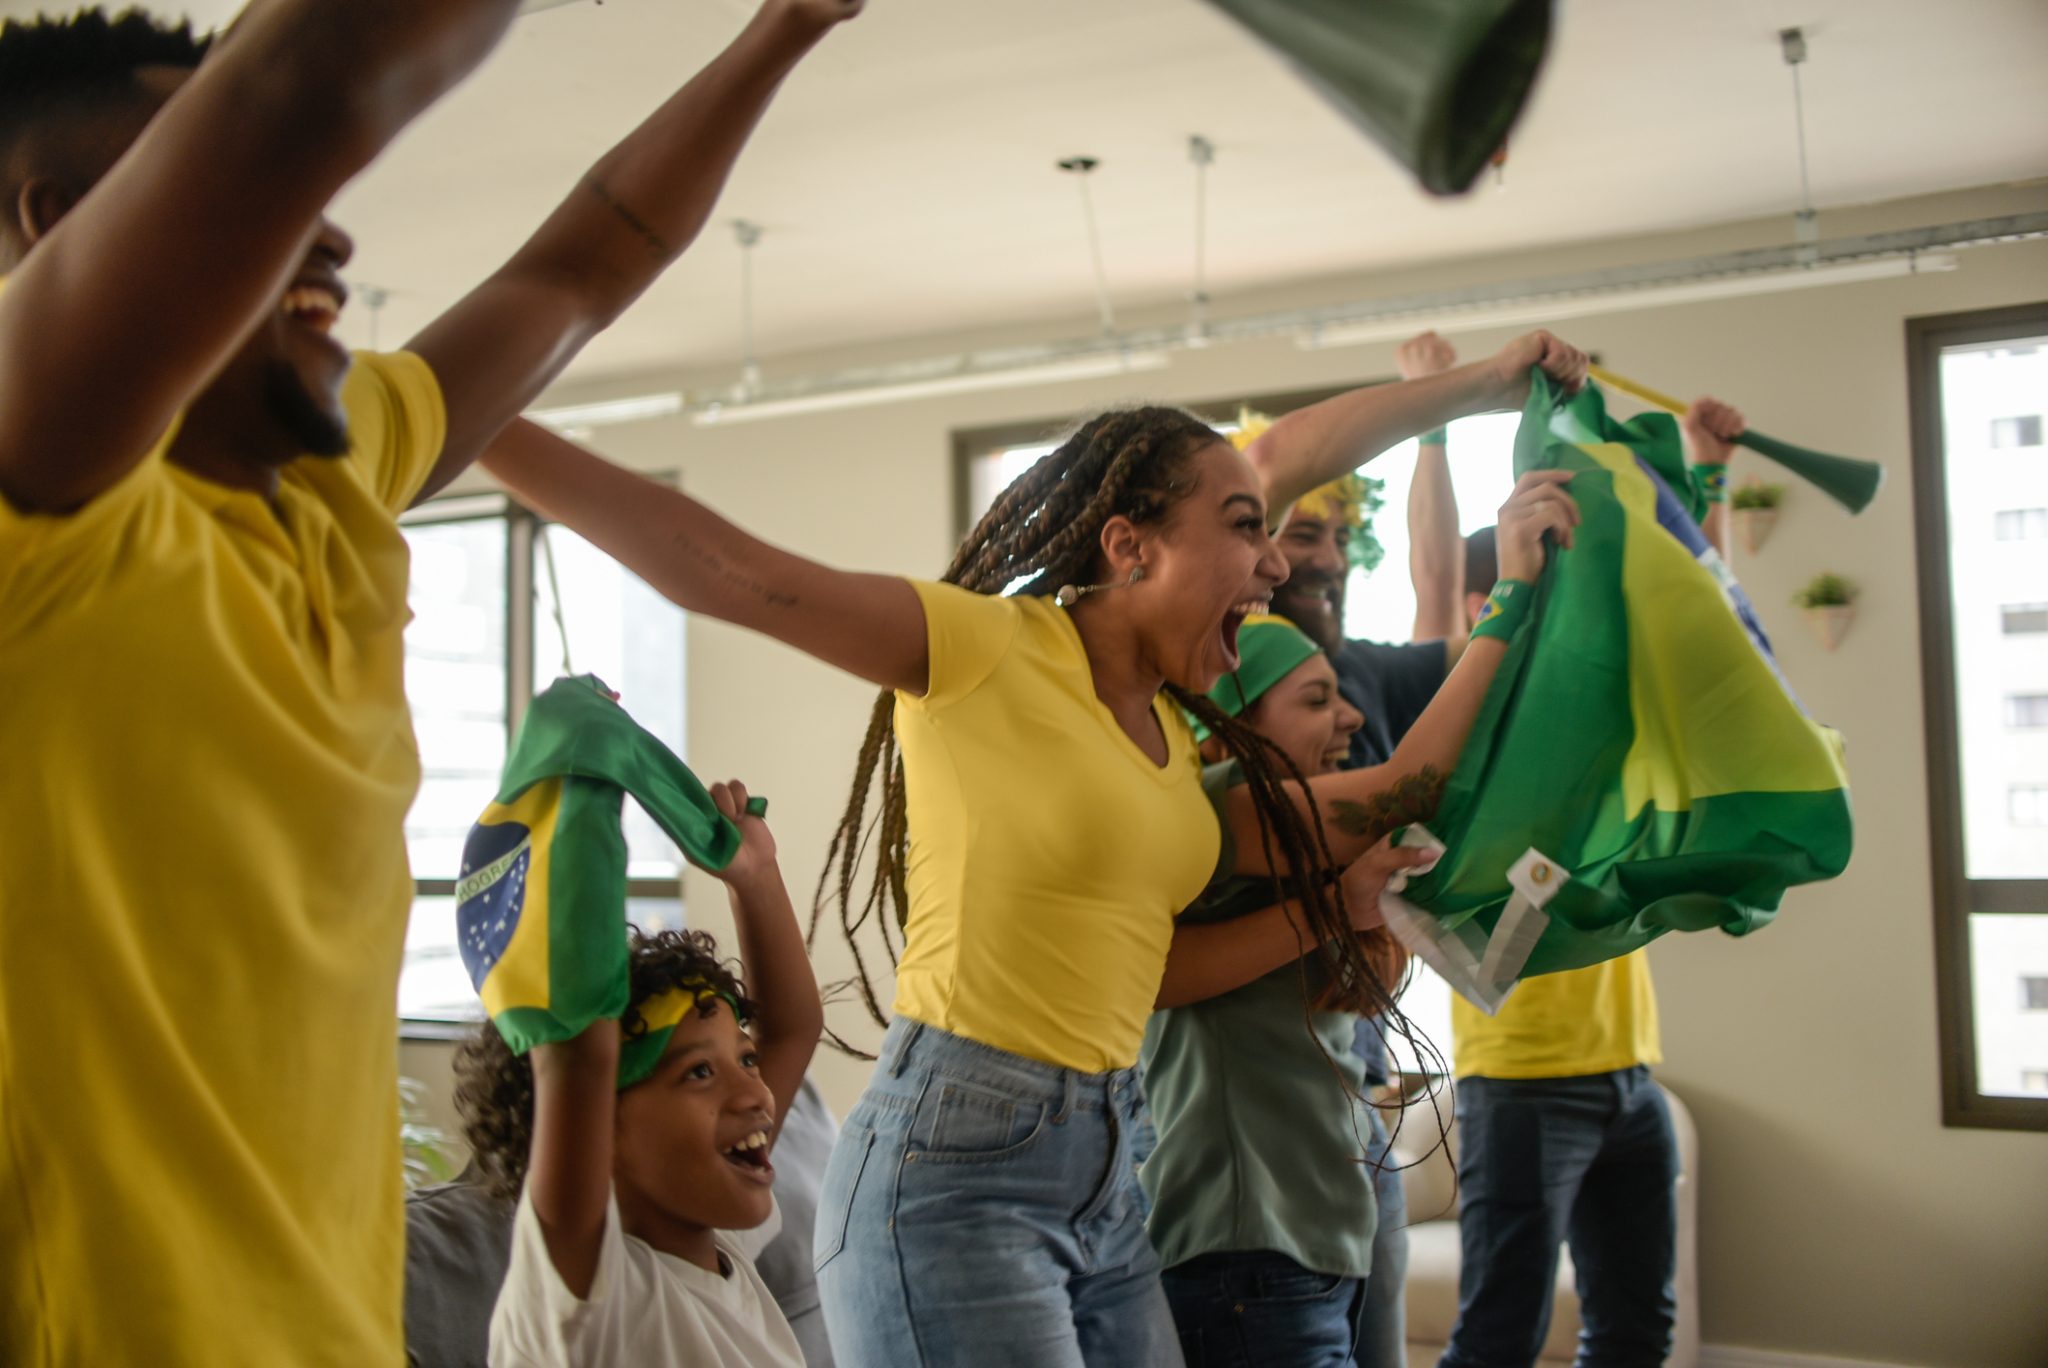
column 656, row 243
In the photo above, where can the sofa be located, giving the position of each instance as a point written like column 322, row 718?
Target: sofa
column 1432, row 1292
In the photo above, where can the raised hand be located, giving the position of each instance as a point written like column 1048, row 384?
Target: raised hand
column 821, row 13
column 1425, row 354
column 1366, row 878
column 1559, row 360
column 1710, row 428
column 756, row 857
column 1539, row 507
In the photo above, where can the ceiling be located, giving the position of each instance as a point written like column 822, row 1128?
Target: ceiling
column 906, row 181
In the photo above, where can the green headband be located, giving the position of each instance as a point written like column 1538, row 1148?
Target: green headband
column 663, row 1013
column 1268, row 650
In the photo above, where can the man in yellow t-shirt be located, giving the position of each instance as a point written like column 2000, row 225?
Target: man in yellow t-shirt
column 1563, row 1136
column 204, row 890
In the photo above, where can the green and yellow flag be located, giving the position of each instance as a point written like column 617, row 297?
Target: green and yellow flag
column 1639, row 765
column 541, row 900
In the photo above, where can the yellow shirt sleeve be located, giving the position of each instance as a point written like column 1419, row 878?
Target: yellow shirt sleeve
column 46, row 557
column 967, row 636
column 397, row 424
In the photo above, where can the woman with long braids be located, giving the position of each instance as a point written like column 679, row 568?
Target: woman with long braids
column 1039, row 829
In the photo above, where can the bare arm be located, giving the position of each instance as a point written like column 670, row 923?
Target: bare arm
column 1436, row 553
column 569, row 1176
column 871, row 626
column 1312, row 446
column 631, row 216
column 161, row 270
column 1209, row 960
column 1539, row 507
column 789, row 1014
column 1709, row 429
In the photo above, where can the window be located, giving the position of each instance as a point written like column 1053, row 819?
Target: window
column 1986, row 692
column 2020, row 619
column 2023, row 431
column 2034, row 992
column 2022, row 524
column 503, row 603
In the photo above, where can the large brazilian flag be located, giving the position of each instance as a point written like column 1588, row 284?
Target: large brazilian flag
column 1639, row 765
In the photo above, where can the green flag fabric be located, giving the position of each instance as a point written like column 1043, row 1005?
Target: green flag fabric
column 541, row 899
column 1639, row 765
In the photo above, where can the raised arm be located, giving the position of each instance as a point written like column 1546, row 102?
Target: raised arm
column 1539, row 507
column 789, row 1016
column 1709, row 429
column 132, row 293
column 1312, row 446
column 631, row 216
column 871, row 626
column 569, row 1174
column 1436, row 553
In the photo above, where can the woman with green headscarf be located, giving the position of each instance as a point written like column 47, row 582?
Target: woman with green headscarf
column 1263, row 1211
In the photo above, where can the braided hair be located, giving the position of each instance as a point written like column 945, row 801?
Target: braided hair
column 1045, row 531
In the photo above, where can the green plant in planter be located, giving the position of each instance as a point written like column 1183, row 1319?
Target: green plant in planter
column 1754, row 495
column 1826, row 590
column 423, row 1144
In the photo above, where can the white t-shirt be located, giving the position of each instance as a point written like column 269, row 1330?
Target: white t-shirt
column 646, row 1309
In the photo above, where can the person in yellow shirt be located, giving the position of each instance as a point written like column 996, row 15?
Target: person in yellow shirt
column 1564, row 1137
column 1041, row 827
column 204, row 892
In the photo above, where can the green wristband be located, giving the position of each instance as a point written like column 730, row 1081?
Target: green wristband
column 1712, row 481
column 1507, row 608
column 1435, row 437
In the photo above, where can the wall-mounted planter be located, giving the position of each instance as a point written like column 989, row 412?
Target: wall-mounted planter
column 1755, row 524
column 1830, row 623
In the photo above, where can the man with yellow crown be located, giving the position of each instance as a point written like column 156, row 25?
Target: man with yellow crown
column 1309, row 461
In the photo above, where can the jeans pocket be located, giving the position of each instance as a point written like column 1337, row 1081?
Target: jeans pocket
column 835, row 1199
column 958, row 1123
column 1279, row 1287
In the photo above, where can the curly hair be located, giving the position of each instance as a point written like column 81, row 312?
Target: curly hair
column 494, row 1087
column 1046, row 529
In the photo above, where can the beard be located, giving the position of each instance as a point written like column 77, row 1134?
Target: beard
column 1315, row 606
column 315, row 430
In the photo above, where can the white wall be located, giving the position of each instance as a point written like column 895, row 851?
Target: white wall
column 1838, row 1216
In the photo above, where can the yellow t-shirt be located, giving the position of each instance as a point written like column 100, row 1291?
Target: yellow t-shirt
column 1048, row 854
column 203, row 905
column 1583, row 1021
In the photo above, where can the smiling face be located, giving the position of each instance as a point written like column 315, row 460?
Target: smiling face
column 1318, row 557
column 1208, row 565
column 1306, row 717
column 692, row 1141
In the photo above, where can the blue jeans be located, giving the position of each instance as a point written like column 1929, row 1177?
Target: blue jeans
column 1589, row 1161
column 1253, row 1308
column 1383, row 1316
column 981, row 1209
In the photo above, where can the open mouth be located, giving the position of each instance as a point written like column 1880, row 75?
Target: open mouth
column 750, row 1155
column 1234, row 619
column 313, row 306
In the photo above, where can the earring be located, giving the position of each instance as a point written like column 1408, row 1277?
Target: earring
column 1069, row 595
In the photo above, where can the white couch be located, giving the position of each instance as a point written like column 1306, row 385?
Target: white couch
column 1432, row 1298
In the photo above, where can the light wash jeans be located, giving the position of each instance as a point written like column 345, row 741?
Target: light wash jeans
column 1383, row 1317
column 982, row 1209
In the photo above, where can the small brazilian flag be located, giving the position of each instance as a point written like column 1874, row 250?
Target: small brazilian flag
column 541, row 901
column 1639, row 764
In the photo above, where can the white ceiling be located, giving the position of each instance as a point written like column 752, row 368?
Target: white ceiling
column 905, row 176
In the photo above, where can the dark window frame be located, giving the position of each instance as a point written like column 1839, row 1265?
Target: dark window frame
column 1956, row 897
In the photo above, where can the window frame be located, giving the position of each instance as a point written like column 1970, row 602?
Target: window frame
column 523, row 526
column 1956, row 897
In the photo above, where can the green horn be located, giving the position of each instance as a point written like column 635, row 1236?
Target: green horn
column 1437, row 83
column 1850, row 483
